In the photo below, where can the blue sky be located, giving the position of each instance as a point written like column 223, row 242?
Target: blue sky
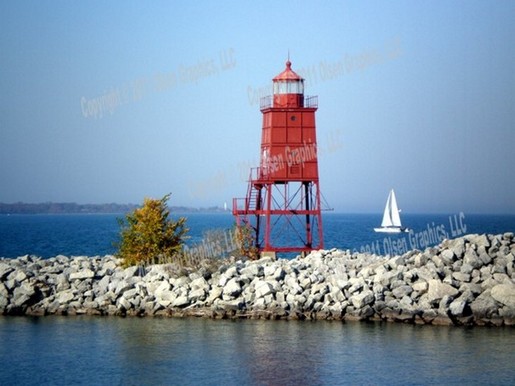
column 116, row 101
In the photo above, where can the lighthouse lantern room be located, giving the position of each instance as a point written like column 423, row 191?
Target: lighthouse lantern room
column 282, row 205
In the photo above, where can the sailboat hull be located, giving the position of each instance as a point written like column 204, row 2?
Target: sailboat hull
column 391, row 230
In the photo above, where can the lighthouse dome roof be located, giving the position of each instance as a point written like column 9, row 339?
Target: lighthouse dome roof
column 287, row 74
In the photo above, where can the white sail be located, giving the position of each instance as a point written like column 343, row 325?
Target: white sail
column 387, row 219
column 396, row 218
column 391, row 218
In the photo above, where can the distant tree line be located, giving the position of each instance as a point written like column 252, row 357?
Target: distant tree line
column 64, row 207
column 74, row 208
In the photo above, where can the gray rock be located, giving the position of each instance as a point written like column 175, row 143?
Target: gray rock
column 215, row 293
column 460, row 276
column 448, row 256
column 320, row 288
column 22, row 294
column 197, row 295
column 401, row 291
column 420, row 286
column 504, row 294
column 396, row 261
column 62, row 260
column 292, row 285
column 485, row 258
column 181, row 301
column 457, row 307
column 90, row 305
column 269, row 270
column 232, row 288
column 231, row 272
column 131, row 272
column 81, row 275
column 264, row 288
column 122, row 286
column 470, row 287
column 129, row 294
column 5, row 270
column 65, row 297
column 362, row 299
column 356, row 284
column 458, row 247
column 230, row 305
column 124, row 303
column 251, row 270
column 17, row 275
column 420, row 260
column 484, row 306
column 466, row 268
column 199, row 283
column 437, row 290
column 166, row 297
column 102, row 285
column 471, row 258
column 304, row 282
column 279, row 274
column 62, row 282
column 109, row 265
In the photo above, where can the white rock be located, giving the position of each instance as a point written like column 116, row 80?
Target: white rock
column 83, row 274
column 232, row 288
column 437, row 290
column 505, row 294
column 181, row 301
column 362, row 299
column 457, row 306
column 264, row 288
column 65, row 297
column 199, row 283
column 122, row 302
column 214, row 294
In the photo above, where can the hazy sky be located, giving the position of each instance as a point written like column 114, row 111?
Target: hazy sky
column 115, row 101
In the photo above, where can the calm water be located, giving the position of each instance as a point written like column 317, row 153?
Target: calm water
column 90, row 235
column 131, row 351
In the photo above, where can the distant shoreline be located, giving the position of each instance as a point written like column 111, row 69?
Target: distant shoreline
column 74, row 208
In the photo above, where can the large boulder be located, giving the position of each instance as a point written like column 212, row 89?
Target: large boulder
column 437, row 290
column 504, row 294
column 484, row 306
column 264, row 288
column 5, row 270
column 362, row 299
column 232, row 288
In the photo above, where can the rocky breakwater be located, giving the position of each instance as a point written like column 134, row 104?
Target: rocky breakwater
column 464, row 281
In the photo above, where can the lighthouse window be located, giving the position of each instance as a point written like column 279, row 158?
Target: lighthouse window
column 295, row 87
column 280, row 88
column 289, row 87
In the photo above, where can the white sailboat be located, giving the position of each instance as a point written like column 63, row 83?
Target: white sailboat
column 391, row 219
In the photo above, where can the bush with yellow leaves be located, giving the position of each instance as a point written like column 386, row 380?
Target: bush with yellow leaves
column 149, row 236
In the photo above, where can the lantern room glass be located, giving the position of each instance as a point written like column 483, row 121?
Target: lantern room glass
column 289, row 87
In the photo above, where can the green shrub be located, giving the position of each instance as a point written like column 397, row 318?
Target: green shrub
column 149, row 236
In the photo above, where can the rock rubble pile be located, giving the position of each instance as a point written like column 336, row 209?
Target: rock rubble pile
column 464, row 281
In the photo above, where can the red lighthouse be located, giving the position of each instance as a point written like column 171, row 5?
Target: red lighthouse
column 283, row 198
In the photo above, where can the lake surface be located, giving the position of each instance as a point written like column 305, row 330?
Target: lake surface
column 148, row 351
column 95, row 234
column 153, row 351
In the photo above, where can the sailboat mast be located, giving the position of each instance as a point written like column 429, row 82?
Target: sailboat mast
column 396, row 218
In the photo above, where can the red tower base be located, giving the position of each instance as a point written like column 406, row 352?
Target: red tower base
column 284, row 215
